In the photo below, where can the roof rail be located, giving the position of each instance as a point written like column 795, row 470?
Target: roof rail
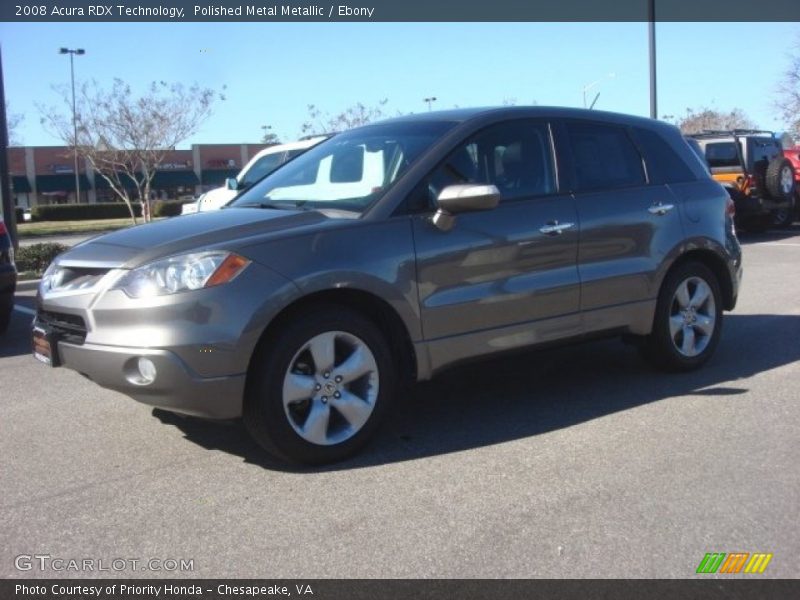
column 708, row 132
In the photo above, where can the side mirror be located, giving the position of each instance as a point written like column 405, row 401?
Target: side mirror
column 462, row 198
column 231, row 183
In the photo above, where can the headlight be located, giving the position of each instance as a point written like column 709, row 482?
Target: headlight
column 181, row 273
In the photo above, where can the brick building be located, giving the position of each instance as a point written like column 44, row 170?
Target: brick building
column 46, row 174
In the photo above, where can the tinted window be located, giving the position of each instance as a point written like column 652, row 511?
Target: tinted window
column 663, row 163
column 765, row 149
column 722, row 154
column 514, row 156
column 604, row 157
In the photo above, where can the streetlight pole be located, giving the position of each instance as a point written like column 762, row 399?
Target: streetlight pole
column 651, row 30
column 72, row 53
column 430, row 100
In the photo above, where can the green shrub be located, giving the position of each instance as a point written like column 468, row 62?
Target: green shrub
column 167, row 208
column 36, row 257
column 77, row 212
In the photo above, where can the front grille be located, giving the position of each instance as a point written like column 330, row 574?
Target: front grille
column 65, row 279
column 70, row 328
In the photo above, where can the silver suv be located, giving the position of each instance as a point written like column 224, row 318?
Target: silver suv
column 306, row 304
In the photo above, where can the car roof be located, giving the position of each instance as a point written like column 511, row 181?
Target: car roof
column 460, row 115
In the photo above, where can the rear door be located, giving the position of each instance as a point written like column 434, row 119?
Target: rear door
column 628, row 223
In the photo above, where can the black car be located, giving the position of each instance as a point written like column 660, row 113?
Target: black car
column 8, row 277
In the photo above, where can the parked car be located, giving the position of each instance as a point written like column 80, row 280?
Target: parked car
column 262, row 164
column 786, row 216
column 305, row 311
column 191, row 207
column 8, row 277
column 751, row 164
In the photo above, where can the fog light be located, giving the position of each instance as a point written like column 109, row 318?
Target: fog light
column 147, row 370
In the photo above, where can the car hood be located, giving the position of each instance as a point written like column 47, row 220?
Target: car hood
column 132, row 247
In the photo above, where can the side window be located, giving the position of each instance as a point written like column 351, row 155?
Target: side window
column 722, row 154
column 515, row 156
column 604, row 157
column 664, row 165
column 262, row 167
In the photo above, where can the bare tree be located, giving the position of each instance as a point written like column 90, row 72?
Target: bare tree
column 124, row 137
column 13, row 121
column 270, row 138
column 788, row 100
column 695, row 121
column 354, row 116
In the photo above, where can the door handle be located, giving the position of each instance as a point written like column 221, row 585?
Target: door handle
column 555, row 228
column 660, row 209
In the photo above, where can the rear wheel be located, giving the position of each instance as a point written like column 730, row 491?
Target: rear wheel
column 319, row 386
column 688, row 319
column 784, row 217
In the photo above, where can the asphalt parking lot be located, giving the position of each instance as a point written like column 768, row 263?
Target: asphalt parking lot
column 576, row 462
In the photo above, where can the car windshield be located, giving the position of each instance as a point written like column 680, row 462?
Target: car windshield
column 347, row 172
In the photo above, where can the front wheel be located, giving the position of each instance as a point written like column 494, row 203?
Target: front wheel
column 319, row 386
column 688, row 319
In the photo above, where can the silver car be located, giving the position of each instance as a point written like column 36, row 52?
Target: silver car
column 391, row 252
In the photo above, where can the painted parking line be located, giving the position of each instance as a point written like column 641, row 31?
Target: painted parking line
column 25, row 309
column 778, row 244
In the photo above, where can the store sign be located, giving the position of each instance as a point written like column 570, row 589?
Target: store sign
column 61, row 169
column 175, row 166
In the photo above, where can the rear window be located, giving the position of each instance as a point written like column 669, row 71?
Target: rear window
column 664, row 165
column 763, row 150
column 604, row 157
column 722, row 154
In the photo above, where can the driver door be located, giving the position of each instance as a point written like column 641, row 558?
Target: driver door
column 508, row 276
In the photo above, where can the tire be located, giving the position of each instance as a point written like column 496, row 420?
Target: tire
column 689, row 301
column 317, row 426
column 784, row 217
column 779, row 180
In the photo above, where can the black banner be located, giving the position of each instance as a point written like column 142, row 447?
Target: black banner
column 393, row 589
column 397, row 10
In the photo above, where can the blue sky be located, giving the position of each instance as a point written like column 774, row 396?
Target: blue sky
column 274, row 70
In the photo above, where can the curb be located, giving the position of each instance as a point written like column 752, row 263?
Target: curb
column 28, row 285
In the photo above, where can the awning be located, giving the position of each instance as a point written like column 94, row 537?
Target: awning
column 63, row 182
column 20, row 184
column 100, row 182
column 172, row 179
column 217, row 176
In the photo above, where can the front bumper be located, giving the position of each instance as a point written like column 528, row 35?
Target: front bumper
column 176, row 387
column 199, row 342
